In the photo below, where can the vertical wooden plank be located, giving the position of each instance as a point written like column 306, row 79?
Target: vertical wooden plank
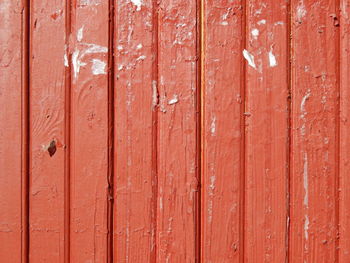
column 89, row 131
column 47, row 125
column 266, row 111
column 177, row 160
column 135, row 100
column 344, row 191
column 11, row 148
column 314, row 124
column 222, row 134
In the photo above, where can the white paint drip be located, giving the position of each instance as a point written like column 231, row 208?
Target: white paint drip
column 262, row 22
column 174, row 100
column 80, row 34
column 272, row 59
column 137, row 3
column 250, row 58
column 98, row 67
column 255, row 33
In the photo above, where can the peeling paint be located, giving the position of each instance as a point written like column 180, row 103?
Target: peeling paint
column 272, row 59
column 138, row 4
column 250, row 58
column 80, row 34
column 98, row 67
column 174, row 100
column 255, row 33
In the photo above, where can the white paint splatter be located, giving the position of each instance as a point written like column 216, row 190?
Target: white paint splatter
column 306, row 227
column 301, row 11
column 80, row 34
column 255, row 33
column 279, row 23
column 137, row 3
column 139, row 46
column 120, row 47
column 89, row 2
column 224, row 23
column 262, row 22
column 272, row 59
column 174, row 100
column 250, row 58
column 98, row 67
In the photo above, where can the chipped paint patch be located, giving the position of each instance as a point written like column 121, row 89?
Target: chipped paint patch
column 301, row 11
column 154, row 93
column 272, row 59
column 262, row 22
column 250, row 58
column 65, row 59
column 304, row 112
column 255, row 33
column 76, row 63
column 143, row 57
column 306, row 227
column 213, row 126
column 138, row 4
column 174, row 100
column 80, row 34
column 305, row 181
column 98, row 67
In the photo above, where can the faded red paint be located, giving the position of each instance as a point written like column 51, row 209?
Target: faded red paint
column 174, row 131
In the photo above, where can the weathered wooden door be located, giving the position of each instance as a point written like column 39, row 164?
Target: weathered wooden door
column 174, row 131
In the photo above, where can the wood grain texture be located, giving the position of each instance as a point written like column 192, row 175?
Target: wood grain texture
column 135, row 103
column 314, row 158
column 47, row 126
column 177, row 159
column 344, row 190
column 89, row 132
column 11, row 147
column 266, row 140
column 223, row 130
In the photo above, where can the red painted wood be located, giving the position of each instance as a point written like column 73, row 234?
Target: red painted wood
column 266, row 140
column 47, row 126
column 135, row 102
column 222, row 134
column 177, row 158
column 11, row 147
column 174, row 131
column 344, row 191
column 314, row 156
column 89, row 132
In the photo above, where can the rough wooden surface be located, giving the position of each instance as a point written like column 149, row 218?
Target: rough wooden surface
column 174, row 131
